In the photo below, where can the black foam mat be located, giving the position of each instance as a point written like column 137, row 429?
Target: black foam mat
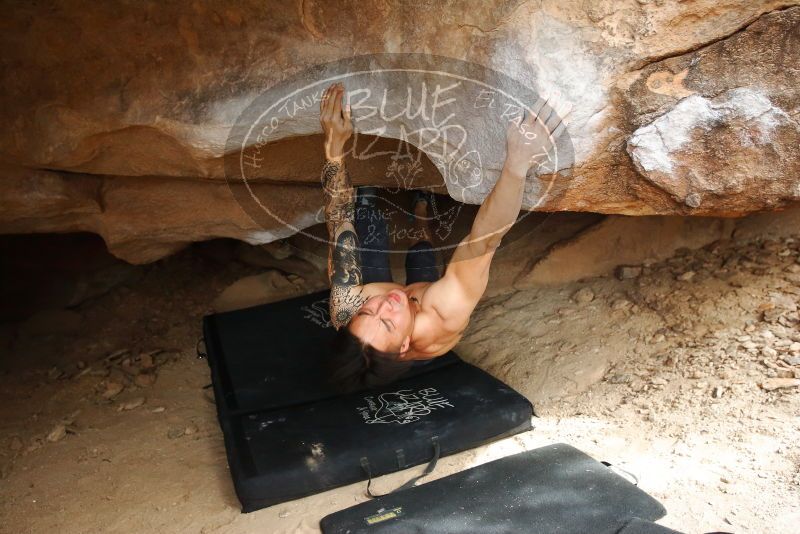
column 274, row 355
column 553, row 489
column 288, row 434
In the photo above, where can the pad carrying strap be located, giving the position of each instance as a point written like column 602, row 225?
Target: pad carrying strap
column 401, row 464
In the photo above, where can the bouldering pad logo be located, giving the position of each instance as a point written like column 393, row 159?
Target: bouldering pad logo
column 402, row 407
column 421, row 122
column 318, row 312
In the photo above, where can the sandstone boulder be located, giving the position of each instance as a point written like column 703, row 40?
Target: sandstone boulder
column 119, row 117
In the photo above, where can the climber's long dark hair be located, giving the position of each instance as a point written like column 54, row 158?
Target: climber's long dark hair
column 356, row 365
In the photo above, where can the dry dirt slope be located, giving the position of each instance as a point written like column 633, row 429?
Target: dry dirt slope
column 665, row 373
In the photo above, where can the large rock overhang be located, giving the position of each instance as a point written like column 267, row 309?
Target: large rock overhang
column 119, row 118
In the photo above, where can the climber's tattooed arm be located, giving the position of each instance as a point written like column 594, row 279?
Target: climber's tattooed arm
column 339, row 196
column 344, row 260
column 346, row 282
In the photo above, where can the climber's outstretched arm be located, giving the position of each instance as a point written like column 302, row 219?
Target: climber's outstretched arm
column 527, row 140
column 344, row 261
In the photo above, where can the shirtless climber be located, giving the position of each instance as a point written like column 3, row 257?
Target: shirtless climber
column 389, row 327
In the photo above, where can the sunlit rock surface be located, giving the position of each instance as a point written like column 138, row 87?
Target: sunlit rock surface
column 117, row 117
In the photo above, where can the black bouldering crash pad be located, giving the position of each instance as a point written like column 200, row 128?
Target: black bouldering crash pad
column 553, row 489
column 288, row 433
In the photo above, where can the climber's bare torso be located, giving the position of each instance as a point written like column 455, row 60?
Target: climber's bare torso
column 433, row 335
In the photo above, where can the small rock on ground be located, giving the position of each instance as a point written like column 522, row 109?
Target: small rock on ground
column 770, row 384
column 583, row 296
column 58, row 433
column 131, row 404
column 626, row 272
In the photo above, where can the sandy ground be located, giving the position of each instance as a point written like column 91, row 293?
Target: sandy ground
column 105, row 425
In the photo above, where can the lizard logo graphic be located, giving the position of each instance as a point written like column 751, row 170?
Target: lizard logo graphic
column 402, row 407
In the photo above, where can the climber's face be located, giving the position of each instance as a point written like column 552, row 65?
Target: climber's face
column 385, row 322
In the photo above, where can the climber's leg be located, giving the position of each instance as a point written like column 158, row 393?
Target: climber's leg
column 421, row 264
column 373, row 235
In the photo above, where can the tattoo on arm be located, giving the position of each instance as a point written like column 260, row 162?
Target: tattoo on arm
column 344, row 260
column 339, row 197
